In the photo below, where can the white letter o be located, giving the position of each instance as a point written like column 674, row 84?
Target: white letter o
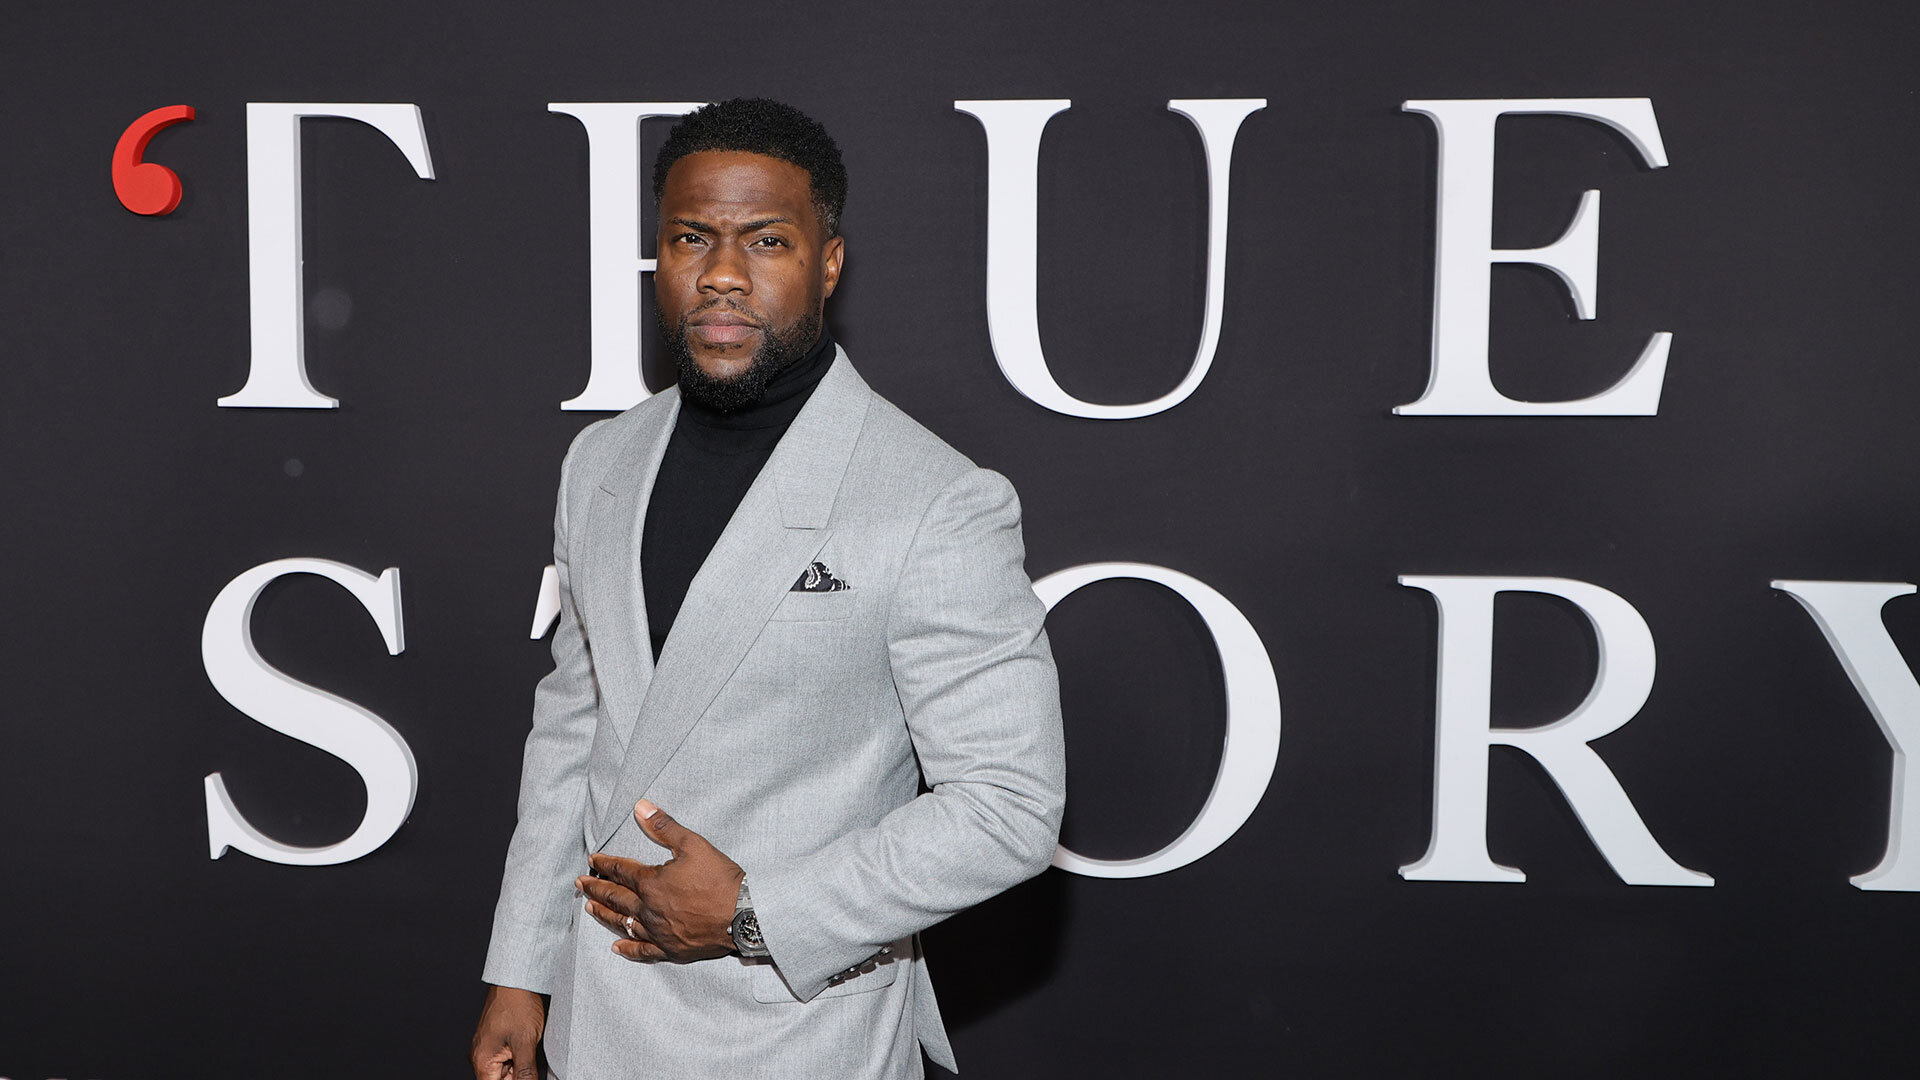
column 1252, row 743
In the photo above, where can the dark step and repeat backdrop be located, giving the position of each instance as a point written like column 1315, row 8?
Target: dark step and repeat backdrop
column 1470, row 602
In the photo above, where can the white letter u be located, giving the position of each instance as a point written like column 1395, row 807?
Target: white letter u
column 1013, row 318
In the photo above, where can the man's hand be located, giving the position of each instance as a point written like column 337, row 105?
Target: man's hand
column 510, row 1025
column 680, row 910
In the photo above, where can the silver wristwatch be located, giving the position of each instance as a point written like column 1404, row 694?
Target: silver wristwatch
column 746, row 928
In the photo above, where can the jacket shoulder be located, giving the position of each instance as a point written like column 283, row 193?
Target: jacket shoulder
column 899, row 447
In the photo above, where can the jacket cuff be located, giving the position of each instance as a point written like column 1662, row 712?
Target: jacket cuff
column 798, row 940
column 524, row 969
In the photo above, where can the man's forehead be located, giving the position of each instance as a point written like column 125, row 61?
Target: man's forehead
column 736, row 181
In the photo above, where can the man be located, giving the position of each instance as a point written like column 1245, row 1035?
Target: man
column 784, row 605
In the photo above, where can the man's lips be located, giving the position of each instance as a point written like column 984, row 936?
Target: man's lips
column 722, row 327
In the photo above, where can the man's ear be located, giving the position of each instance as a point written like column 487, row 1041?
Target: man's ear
column 832, row 255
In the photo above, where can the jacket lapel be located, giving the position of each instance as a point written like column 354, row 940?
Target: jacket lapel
column 615, row 605
column 780, row 525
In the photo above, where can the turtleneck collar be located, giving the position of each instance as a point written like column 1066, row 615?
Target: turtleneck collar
column 786, row 393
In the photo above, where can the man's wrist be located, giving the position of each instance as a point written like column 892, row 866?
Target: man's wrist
column 515, row 996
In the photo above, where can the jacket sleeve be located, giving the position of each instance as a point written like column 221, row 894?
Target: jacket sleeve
column 548, row 849
column 976, row 679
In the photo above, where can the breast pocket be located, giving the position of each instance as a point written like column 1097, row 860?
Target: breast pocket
column 769, row 987
column 815, row 606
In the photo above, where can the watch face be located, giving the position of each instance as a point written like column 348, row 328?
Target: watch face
column 746, row 932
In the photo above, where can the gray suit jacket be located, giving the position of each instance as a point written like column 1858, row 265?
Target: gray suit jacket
column 793, row 730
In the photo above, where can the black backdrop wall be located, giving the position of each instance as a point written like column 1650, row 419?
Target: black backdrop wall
column 451, row 319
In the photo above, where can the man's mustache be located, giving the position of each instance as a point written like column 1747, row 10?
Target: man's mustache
column 728, row 305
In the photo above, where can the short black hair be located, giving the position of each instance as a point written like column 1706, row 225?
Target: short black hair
column 763, row 126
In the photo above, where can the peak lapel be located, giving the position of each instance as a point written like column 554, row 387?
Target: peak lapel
column 780, row 525
column 609, row 589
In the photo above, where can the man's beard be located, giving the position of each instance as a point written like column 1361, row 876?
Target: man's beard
column 778, row 351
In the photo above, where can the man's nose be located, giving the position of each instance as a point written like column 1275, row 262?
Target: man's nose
column 725, row 271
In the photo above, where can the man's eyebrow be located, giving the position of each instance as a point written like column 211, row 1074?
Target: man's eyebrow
column 701, row 226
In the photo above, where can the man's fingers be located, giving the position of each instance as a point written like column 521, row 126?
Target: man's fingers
column 606, row 917
column 627, row 872
column 641, row 951
column 665, row 831
column 495, row 1066
column 625, row 925
column 609, row 894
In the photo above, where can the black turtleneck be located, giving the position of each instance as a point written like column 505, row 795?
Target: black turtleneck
column 711, row 461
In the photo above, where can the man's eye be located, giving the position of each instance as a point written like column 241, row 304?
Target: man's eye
column 687, row 238
column 771, row 241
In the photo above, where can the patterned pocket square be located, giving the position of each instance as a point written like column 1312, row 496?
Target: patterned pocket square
column 817, row 578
